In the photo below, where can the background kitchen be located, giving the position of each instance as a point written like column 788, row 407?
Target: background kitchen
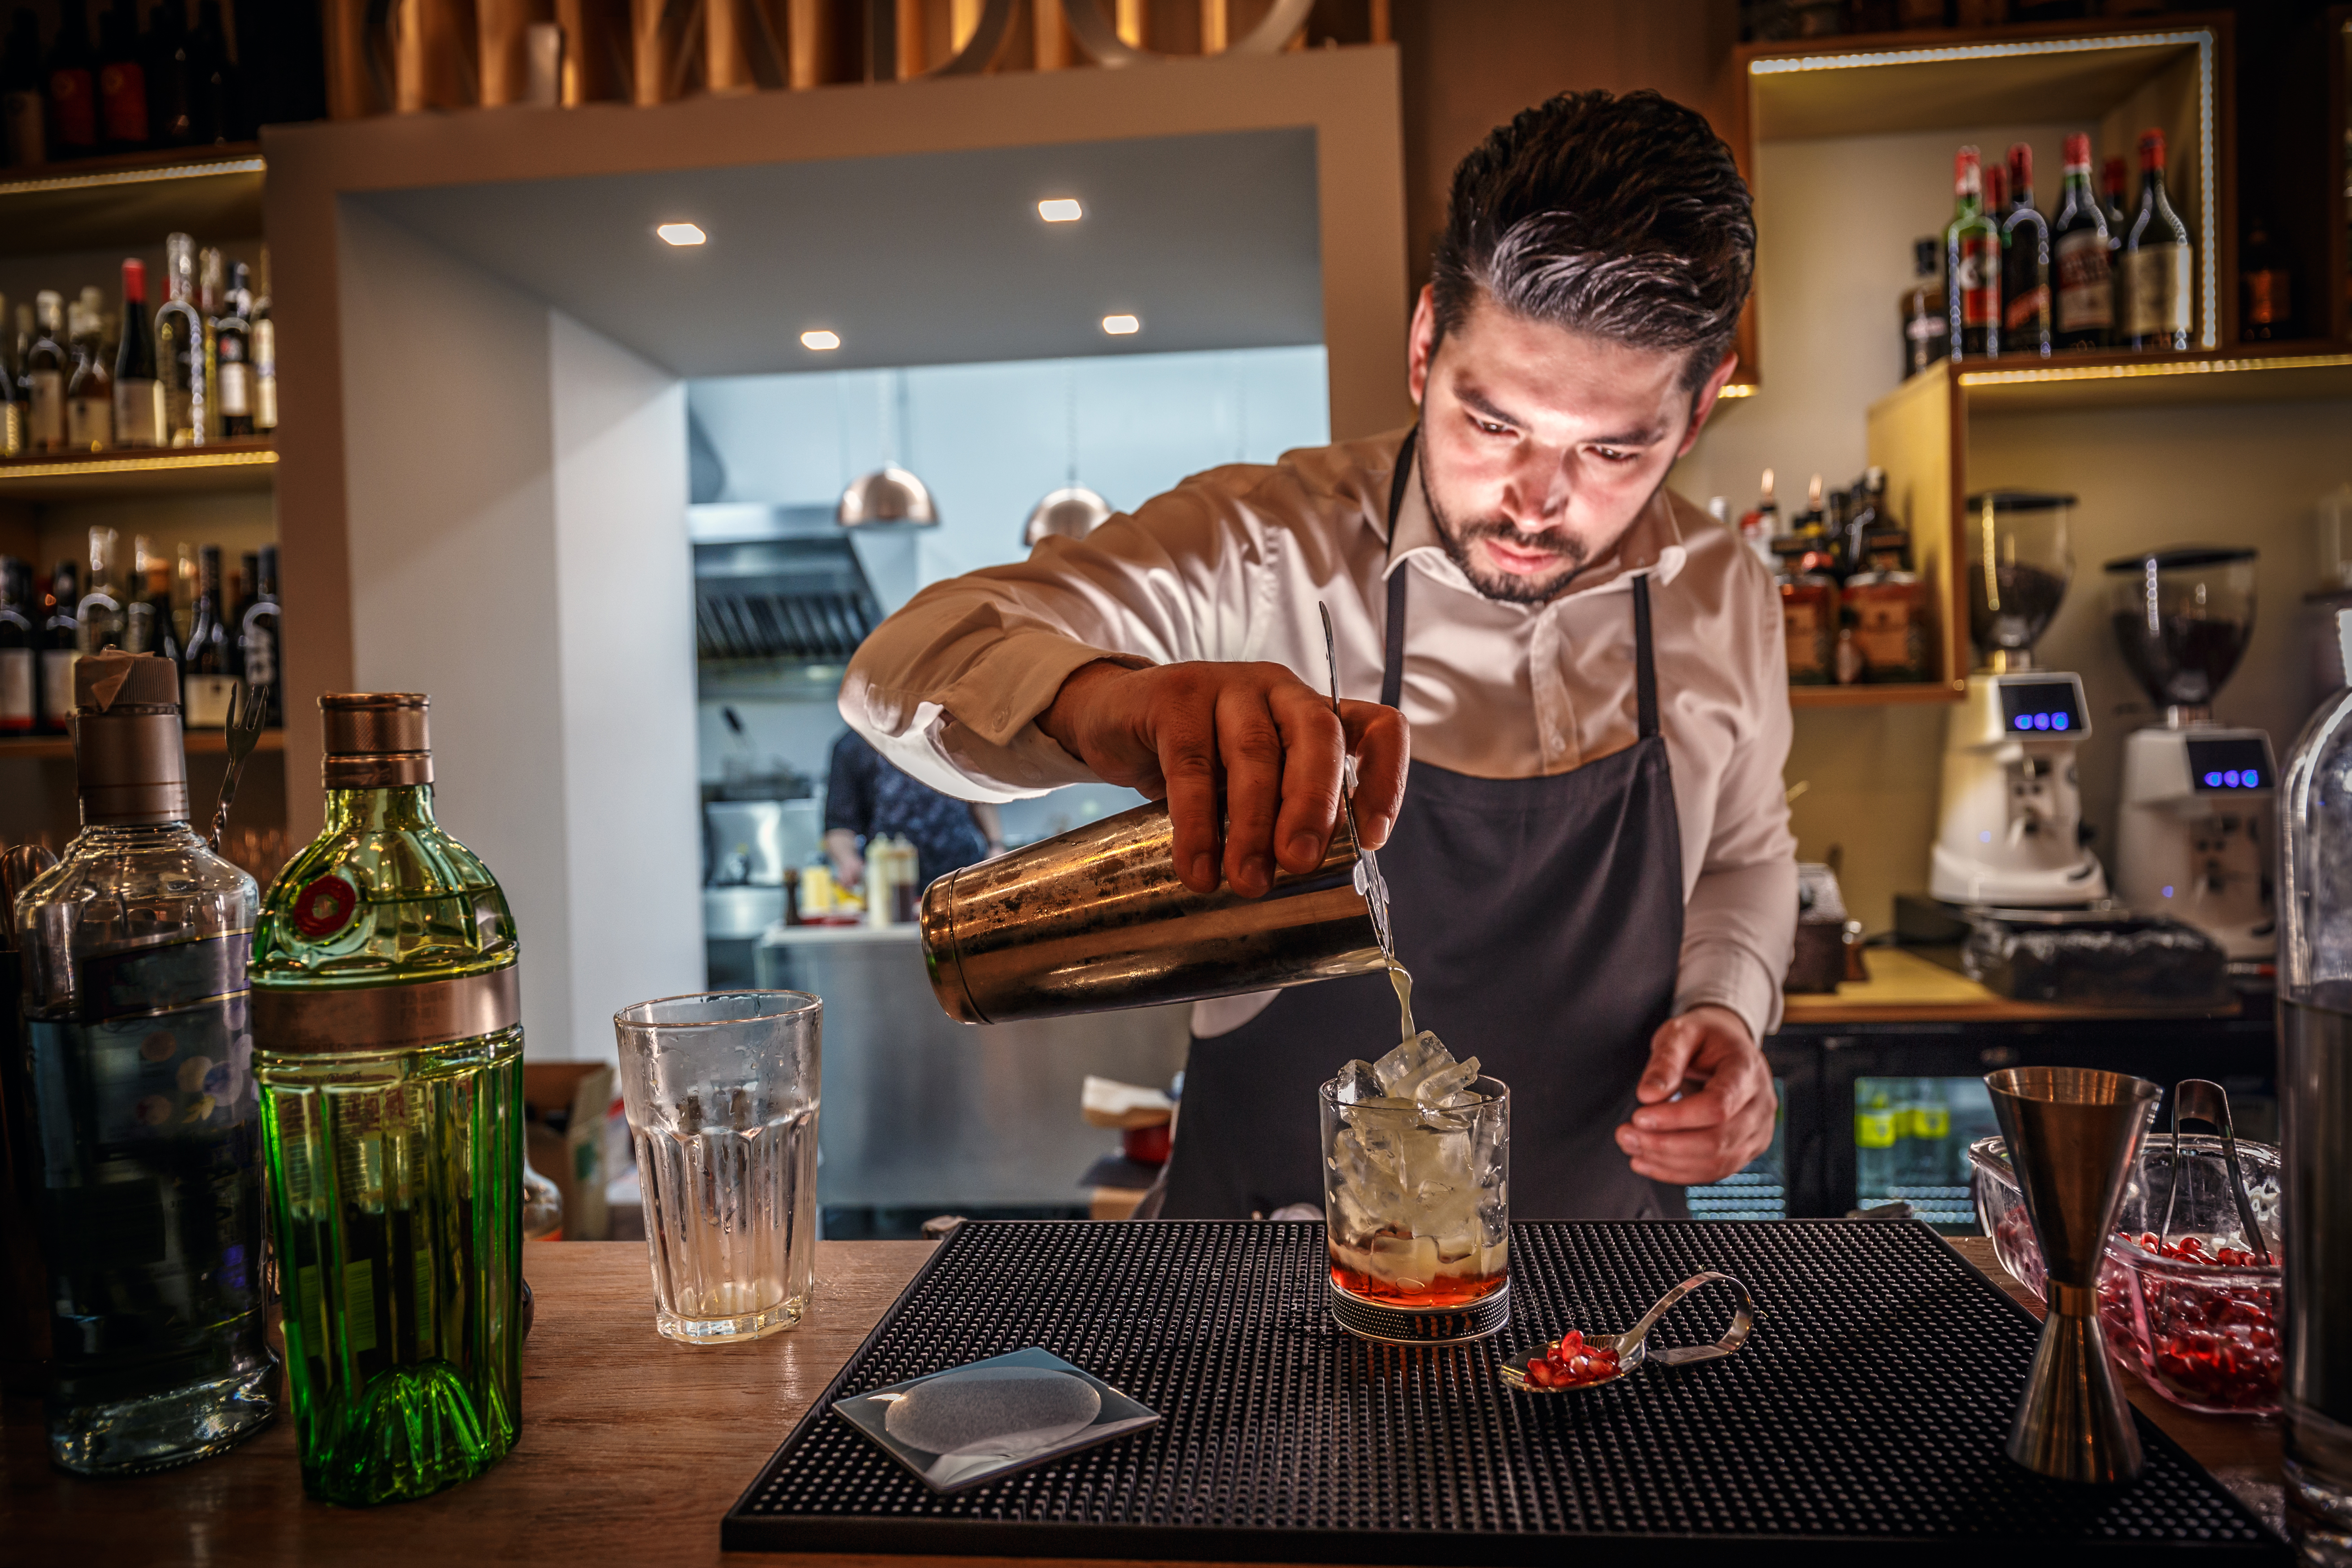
column 582, row 482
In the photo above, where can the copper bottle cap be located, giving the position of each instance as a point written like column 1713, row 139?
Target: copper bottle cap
column 128, row 763
column 375, row 739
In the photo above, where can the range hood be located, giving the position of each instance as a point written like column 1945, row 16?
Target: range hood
column 781, row 594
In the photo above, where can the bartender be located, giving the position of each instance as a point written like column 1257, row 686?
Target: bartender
column 1573, row 764
column 866, row 798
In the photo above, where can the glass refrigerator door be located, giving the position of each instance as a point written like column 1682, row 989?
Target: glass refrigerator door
column 1759, row 1192
column 1911, row 1138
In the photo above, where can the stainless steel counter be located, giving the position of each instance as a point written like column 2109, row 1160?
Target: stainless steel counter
column 919, row 1109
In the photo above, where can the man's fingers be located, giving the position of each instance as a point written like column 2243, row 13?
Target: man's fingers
column 1725, row 1096
column 1671, row 1050
column 1312, row 745
column 1184, row 734
column 1380, row 740
column 1250, row 747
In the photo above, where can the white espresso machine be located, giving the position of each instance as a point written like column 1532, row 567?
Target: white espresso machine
column 2010, row 831
column 2199, row 804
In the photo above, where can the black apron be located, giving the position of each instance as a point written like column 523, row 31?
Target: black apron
column 1542, row 919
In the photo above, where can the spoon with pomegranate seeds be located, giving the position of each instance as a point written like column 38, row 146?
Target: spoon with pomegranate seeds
column 1579, row 1361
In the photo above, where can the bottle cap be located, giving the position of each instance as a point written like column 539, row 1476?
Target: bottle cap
column 134, row 280
column 1967, row 177
column 2021, row 166
column 375, row 739
column 2078, row 151
column 128, row 763
column 2151, row 148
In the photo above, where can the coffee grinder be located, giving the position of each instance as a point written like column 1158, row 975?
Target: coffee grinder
column 2010, row 834
column 2199, row 799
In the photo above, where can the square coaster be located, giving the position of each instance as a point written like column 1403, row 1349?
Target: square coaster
column 988, row 1419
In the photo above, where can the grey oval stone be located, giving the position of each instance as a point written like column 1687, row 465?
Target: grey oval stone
column 993, row 1410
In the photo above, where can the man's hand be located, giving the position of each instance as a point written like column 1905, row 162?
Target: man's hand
column 1723, row 1118
column 1254, row 733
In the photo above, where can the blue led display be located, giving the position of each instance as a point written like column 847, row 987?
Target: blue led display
column 2041, row 720
column 2234, row 778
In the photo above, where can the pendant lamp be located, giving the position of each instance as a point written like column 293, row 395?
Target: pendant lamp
column 1072, row 510
column 890, row 493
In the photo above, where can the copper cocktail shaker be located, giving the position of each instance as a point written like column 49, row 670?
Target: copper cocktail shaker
column 1096, row 919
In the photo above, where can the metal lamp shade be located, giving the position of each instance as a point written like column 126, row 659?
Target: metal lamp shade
column 887, row 495
column 1073, row 512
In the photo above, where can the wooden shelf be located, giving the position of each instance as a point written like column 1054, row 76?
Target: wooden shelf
column 233, row 466
column 2267, row 372
column 199, row 742
column 132, row 200
column 1867, row 695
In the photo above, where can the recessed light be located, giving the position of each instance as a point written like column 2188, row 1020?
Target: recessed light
column 820, row 339
column 681, row 233
column 1120, row 326
column 1061, row 210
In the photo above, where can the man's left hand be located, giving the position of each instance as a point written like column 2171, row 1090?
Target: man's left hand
column 1725, row 1116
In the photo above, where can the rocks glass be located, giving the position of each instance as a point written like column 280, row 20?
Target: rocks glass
column 721, row 1091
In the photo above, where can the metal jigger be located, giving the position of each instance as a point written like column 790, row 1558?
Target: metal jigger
column 2072, row 1134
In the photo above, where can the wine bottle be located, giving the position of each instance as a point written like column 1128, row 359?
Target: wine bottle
column 60, row 648
column 23, row 118
column 134, row 949
column 71, row 78
column 19, row 650
column 15, row 427
column 2111, row 186
column 2025, row 313
column 219, row 90
column 259, row 643
column 121, row 79
column 180, row 343
column 2265, row 289
column 233, row 353
column 47, row 365
column 171, row 81
column 99, row 620
column 208, row 676
column 388, row 1043
column 1971, row 265
column 138, row 388
column 2159, row 264
column 90, row 394
column 2086, row 298
column 265, row 352
column 1927, row 335
column 212, row 292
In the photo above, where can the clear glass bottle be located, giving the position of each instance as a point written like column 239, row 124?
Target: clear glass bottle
column 388, row 1044
column 143, row 1117
column 2315, row 1028
column 180, row 346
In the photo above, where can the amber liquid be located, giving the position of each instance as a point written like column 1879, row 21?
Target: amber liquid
column 1445, row 1291
column 1402, row 979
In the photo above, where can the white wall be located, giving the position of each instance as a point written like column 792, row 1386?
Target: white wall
column 499, row 538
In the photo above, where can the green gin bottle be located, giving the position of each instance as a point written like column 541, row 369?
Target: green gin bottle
column 388, row 1047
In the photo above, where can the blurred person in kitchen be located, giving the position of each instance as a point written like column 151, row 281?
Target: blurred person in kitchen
column 866, row 798
column 1573, row 765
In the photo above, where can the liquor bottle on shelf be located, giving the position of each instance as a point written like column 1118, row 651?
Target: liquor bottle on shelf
column 58, row 650
column 186, row 577
column 20, row 653
column 70, row 84
column 121, row 79
column 49, row 363
column 265, row 352
column 2265, row 289
column 1889, row 608
column 241, row 594
column 212, row 292
column 134, row 949
column 1971, row 265
column 2086, row 313
column 1808, row 610
column 1927, row 335
column 1761, row 524
column 180, row 343
column 219, row 90
column 15, row 430
column 99, row 618
column 233, row 351
column 207, row 669
column 171, row 79
column 1866, row 513
column 2025, row 313
column 2113, row 175
column 2160, row 264
column 138, row 388
column 388, row 1044
column 23, row 116
column 149, row 614
column 90, row 394
column 258, row 642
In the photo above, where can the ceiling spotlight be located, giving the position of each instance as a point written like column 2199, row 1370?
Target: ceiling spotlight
column 1120, row 326
column 681, row 233
column 820, row 339
column 1060, row 209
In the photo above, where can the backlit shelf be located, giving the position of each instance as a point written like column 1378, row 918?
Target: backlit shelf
column 240, row 466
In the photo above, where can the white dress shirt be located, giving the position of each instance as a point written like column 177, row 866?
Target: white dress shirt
column 1229, row 565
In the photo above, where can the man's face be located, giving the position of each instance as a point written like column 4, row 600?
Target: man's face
column 1540, row 446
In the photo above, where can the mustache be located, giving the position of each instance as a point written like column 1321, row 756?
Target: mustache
column 1565, row 547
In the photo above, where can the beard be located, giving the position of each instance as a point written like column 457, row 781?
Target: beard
column 1508, row 587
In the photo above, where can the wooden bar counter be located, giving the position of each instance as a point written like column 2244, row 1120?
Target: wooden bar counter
column 632, row 1445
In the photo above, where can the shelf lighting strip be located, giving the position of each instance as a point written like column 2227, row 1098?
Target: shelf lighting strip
column 2136, row 371
column 160, row 463
column 99, row 179
column 2202, row 37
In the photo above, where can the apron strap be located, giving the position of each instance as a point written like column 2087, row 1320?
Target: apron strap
column 1645, row 673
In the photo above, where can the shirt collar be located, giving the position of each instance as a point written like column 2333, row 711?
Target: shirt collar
column 1653, row 546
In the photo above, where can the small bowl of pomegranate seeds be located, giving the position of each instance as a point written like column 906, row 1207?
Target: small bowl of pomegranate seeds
column 2190, row 1305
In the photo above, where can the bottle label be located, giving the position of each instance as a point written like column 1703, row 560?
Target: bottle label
column 1889, row 627
column 2086, row 293
column 57, row 683
column 138, row 413
column 1873, row 1129
column 73, row 108
column 1805, row 624
column 265, row 401
column 123, row 98
column 2267, row 298
column 1978, row 281
column 324, row 907
column 1925, row 329
column 48, row 411
column 236, row 389
column 89, row 423
column 1931, row 1121
column 206, row 700
column 2157, row 291
column 16, row 691
column 13, row 434
column 2027, row 310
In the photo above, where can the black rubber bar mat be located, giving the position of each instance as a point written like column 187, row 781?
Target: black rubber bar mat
column 1866, row 1414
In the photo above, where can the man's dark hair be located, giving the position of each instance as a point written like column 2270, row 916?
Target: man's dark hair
column 1624, row 217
